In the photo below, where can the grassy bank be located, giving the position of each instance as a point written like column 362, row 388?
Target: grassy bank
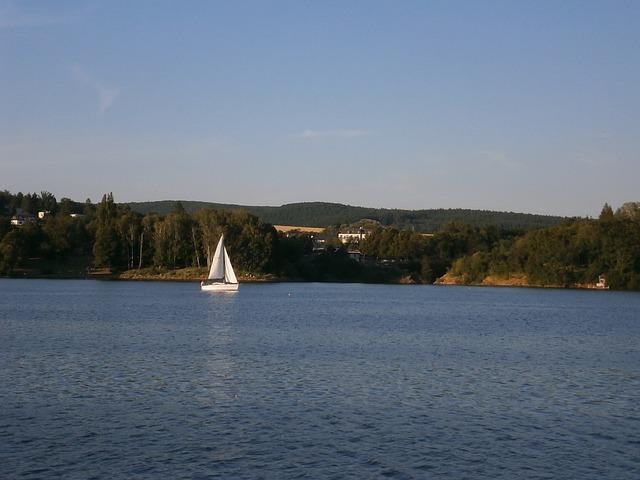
column 515, row 280
column 190, row 274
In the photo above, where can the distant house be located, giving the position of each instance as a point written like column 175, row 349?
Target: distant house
column 76, row 215
column 21, row 218
column 353, row 237
column 43, row 214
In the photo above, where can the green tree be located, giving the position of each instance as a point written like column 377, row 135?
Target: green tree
column 129, row 225
column 12, row 251
column 211, row 226
column 107, row 249
column 173, row 239
column 606, row 213
column 66, row 235
column 48, row 202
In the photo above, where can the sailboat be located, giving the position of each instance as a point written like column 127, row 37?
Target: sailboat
column 221, row 275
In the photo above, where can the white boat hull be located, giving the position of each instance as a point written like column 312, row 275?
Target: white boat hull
column 219, row 287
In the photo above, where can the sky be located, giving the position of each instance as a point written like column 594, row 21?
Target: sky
column 498, row 105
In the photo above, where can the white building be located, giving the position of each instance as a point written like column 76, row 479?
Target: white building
column 353, row 237
column 21, row 219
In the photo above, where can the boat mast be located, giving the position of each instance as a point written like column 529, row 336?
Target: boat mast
column 224, row 273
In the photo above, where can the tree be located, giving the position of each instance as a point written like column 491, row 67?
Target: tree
column 30, row 203
column 66, row 234
column 210, row 225
column 606, row 213
column 107, row 249
column 129, row 226
column 173, row 240
column 146, row 239
column 88, row 208
column 629, row 210
column 12, row 250
column 48, row 202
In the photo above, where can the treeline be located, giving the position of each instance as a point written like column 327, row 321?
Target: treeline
column 32, row 203
column 126, row 239
column 426, row 258
column 574, row 253
column 112, row 236
column 325, row 214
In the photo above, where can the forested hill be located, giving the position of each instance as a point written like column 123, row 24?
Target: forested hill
column 322, row 214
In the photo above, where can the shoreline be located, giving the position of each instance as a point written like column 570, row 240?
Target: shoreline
column 178, row 276
column 514, row 281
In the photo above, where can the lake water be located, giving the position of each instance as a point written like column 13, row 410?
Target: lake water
column 158, row 380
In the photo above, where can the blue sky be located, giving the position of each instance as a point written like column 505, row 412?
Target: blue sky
column 521, row 106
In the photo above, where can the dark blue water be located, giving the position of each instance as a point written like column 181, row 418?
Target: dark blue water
column 158, row 380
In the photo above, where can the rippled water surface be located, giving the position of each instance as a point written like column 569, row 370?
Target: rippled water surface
column 158, row 380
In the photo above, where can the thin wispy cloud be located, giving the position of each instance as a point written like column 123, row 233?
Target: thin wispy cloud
column 13, row 17
column 344, row 133
column 106, row 94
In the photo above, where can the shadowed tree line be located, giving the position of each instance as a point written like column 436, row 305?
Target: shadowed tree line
column 573, row 253
column 426, row 258
column 125, row 239
column 114, row 237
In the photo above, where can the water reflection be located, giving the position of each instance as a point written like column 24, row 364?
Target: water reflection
column 218, row 387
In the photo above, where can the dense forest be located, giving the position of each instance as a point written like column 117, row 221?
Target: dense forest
column 113, row 237
column 79, row 238
column 574, row 253
column 322, row 214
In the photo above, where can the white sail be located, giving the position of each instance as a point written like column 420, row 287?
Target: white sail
column 221, row 278
column 229, row 274
column 217, row 263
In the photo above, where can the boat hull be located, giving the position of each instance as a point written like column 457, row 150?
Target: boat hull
column 219, row 287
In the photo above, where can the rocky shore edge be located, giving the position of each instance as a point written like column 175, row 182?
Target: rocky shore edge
column 193, row 274
column 515, row 280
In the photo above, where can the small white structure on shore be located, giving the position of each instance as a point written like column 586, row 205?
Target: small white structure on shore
column 602, row 283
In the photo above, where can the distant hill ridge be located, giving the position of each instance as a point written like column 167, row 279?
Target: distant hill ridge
column 324, row 214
